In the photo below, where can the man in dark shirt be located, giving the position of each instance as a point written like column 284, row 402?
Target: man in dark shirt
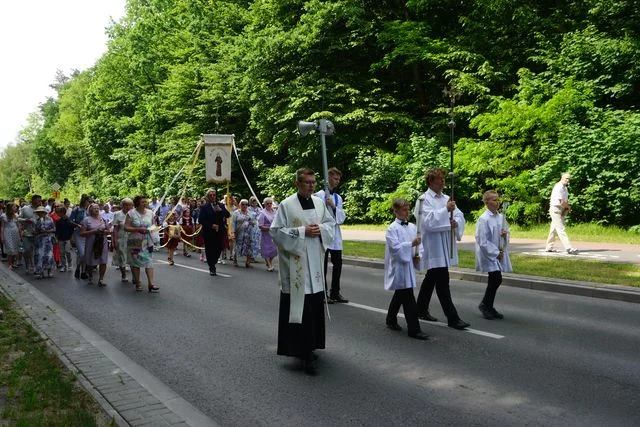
column 212, row 218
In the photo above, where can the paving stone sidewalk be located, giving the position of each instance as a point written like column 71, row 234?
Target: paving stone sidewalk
column 129, row 394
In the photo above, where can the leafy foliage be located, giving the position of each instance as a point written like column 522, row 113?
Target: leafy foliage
column 544, row 87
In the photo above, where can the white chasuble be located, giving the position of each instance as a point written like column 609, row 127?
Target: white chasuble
column 301, row 258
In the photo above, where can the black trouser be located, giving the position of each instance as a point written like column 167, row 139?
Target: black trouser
column 495, row 280
column 212, row 250
column 437, row 278
column 336, row 271
column 404, row 298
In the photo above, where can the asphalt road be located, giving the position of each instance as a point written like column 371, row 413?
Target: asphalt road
column 554, row 360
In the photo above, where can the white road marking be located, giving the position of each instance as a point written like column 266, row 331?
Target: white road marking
column 471, row 331
column 194, row 268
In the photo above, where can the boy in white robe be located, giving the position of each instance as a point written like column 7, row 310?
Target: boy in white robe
column 492, row 255
column 399, row 275
column 442, row 226
column 302, row 229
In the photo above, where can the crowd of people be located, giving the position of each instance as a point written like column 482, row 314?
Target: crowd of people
column 42, row 235
column 303, row 232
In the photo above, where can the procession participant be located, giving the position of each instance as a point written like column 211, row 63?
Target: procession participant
column 11, row 234
column 43, row 229
column 243, row 227
column 64, row 233
column 302, row 229
column 492, row 255
column 268, row 249
column 187, row 225
column 334, row 202
column 94, row 229
column 119, row 239
column 559, row 208
column 78, row 214
column 27, row 220
column 2, row 210
column 171, row 235
column 53, row 214
column 437, row 226
column 154, row 205
column 212, row 218
column 256, row 238
column 399, row 274
column 140, row 243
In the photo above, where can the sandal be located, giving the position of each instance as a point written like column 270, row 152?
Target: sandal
column 153, row 288
column 138, row 288
column 101, row 284
column 187, row 254
column 170, row 262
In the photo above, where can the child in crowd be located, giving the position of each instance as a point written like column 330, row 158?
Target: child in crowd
column 172, row 235
column 186, row 230
column 399, row 275
column 492, row 255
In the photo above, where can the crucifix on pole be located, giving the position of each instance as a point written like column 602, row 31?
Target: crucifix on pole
column 452, row 93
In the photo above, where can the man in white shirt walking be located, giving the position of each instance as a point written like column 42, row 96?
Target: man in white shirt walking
column 559, row 207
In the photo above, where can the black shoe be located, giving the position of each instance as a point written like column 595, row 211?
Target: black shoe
column 496, row 314
column 77, row 274
column 419, row 335
column 486, row 312
column 459, row 324
column 84, row 276
column 394, row 326
column 427, row 317
column 339, row 299
column 213, row 272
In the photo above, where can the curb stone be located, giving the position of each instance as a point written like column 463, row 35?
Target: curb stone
column 572, row 287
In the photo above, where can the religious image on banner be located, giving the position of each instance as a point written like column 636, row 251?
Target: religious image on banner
column 217, row 153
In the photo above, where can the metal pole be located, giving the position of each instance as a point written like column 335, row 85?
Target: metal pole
column 325, row 167
column 452, row 93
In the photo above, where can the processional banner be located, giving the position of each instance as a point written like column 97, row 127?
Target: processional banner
column 217, row 154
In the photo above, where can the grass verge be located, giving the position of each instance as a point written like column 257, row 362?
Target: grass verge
column 577, row 232
column 567, row 269
column 35, row 387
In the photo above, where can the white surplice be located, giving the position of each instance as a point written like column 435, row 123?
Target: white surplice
column 301, row 258
column 489, row 243
column 436, row 231
column 398, row 256
column 339, row 217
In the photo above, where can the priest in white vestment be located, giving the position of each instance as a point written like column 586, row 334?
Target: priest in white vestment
column 435, row 211
column 303, row 229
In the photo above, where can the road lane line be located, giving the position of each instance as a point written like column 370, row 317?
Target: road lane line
column 193, row 268
column 471, row 331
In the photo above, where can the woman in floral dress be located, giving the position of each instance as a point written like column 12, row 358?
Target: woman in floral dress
column 140, row 243
column 254, row 210
column 243, row 226
column 43, row 252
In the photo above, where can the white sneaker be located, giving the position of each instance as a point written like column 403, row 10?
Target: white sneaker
column 572, row 251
